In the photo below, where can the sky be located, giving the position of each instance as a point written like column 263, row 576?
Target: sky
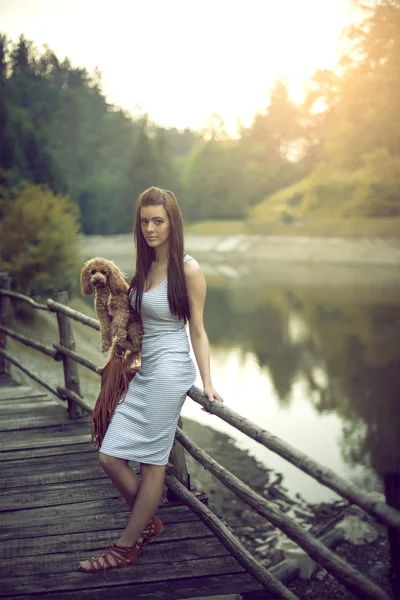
column 180, row 61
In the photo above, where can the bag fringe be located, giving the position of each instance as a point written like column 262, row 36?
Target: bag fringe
column 116, row 375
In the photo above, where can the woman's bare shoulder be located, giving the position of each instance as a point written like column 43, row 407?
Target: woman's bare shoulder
column 191, row 268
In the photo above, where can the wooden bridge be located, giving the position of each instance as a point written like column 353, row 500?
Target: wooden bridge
column 58, row 506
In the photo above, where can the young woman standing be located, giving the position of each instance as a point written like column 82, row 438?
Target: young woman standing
column 168, row 290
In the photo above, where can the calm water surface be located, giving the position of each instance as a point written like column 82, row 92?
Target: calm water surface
column 314, row 358
column 312, row 354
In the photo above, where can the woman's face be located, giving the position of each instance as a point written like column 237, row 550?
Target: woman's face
column 155, row 225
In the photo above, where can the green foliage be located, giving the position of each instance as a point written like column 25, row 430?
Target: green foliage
column 357, row 134
column 39, row 240
column 212, row 183
column 336, row 155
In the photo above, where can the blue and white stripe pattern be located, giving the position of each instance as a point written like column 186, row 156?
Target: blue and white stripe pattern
column 143, row 426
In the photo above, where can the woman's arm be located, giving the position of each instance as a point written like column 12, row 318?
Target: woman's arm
column 196, row 286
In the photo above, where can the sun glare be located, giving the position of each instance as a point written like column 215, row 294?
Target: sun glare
column 183, row 61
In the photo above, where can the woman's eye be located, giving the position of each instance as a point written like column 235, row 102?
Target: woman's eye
column 158, row 222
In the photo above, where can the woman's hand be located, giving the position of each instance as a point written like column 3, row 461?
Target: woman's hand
column 212, row 395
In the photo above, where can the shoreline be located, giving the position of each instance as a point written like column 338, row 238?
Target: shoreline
column 262, row 249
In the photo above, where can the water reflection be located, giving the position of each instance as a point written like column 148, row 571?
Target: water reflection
column 316, row 364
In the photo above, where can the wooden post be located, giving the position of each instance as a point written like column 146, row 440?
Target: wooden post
column 5, row 284
column 71, row 376
column 178, row 461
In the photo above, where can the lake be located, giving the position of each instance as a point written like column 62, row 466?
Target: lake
column 310, row 353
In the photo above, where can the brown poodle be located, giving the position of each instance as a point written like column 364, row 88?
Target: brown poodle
column 121, row 332
column 119, row 322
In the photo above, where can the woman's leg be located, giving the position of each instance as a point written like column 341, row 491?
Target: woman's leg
column 144, row 497
column 122, row 476
column 126, row 482
column 146, row 504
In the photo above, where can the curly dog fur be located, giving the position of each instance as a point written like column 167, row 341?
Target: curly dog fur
column 119, row 323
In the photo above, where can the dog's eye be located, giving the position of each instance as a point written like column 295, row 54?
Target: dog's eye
column 103, row 272
column 92, row 272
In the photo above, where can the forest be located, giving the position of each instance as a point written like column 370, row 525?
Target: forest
column 335, row 155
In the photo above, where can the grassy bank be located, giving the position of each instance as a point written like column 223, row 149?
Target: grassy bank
column 327, row 227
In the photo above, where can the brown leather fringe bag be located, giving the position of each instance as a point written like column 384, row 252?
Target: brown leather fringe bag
column 115, row 378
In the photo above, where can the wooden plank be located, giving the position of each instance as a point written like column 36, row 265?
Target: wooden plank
column 16, row 407
column 72, row 580
column 20, row 391
column 183, row 589
column 63, row 511
column 46, row 463
column 33, row 402
column 93, row 540
column 77, row 523
column 30, row 442
column 55, row 416
column 53, row 494
column 33, row 438
column 180, row 549
column 70, row 426
column 50, row 451
column 37, row 517
column 80, row 472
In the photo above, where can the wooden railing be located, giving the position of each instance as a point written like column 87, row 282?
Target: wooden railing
column 177, row 480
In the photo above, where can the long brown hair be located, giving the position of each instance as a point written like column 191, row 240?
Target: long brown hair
column 177, row 292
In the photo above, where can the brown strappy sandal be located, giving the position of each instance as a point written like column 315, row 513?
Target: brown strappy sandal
column 153, row 528
column 123, row 556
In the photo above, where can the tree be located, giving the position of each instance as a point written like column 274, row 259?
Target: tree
column 39, row 240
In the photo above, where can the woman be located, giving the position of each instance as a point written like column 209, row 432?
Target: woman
column 168, row 290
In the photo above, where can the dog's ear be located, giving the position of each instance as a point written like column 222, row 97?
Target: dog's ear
column 116, row 279
column 87, row 288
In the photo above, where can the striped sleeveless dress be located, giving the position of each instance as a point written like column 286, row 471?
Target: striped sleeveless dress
column 143, row 426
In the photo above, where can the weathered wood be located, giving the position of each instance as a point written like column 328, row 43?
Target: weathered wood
column 20, row 443
column 54, row 462
column 69, row 427
column 178, row 460
column 71, row 377
column 230, row 541
column 365, row 500
column 93, row 540
column 79, row 472
column 5, row 285
column 75, row 398
column 22, row 408
column 28, row 372
column 73, row 579
column 46, row 450
column 189, row 587
column 342, row 571
column 49, row 417
column 59, row 307
column 56, row 515
column 78, row 523
column 27, row 341
column 9, row 294
column 17, row 392
column 89, row 364
column 181, row 549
